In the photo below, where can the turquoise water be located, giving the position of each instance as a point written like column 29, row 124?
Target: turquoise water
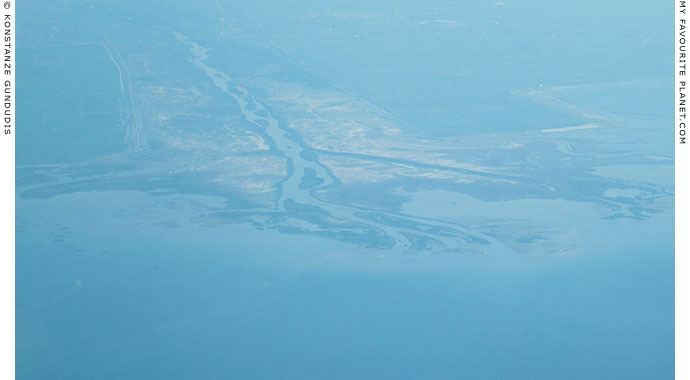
column 371, row 190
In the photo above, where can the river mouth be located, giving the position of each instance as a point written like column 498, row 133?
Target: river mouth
column 315, row 158
column 343, row 190
column 389, row 232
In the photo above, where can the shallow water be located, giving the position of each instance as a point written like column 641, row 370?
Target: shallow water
column 377, row 190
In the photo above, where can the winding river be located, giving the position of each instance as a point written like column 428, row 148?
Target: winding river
column 403, row 231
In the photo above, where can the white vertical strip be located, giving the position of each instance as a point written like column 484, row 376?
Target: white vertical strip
column 7, row 193
column 681, row 142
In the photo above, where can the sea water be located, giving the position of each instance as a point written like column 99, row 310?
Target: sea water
column 231, row 190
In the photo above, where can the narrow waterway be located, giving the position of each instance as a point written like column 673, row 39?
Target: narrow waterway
column 403, row 231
